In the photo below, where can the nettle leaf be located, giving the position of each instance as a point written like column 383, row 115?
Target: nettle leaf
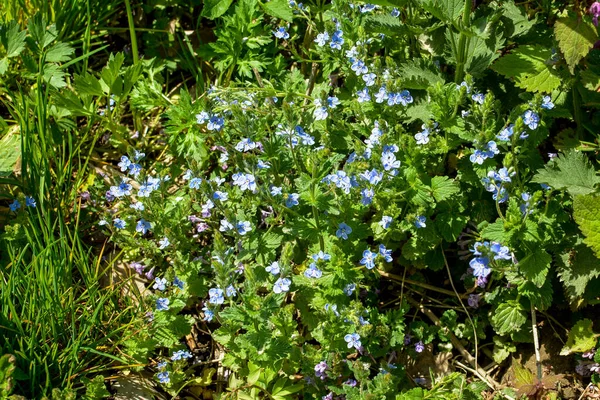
column 526, row 65
column 443, row 188
column 581, row 338
column 535, row 266
column 279, row 9
column 509, row 317
column 519, row 21
column 576, row 269
column 384, row 23
column 445, row 10
column 586, row 210
column 576, row 36
column 389, row 3
column 570, row 171
column 419, row 74
column 215, row 8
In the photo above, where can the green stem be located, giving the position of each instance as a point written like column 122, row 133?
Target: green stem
column 462, row 44
column 134, row 48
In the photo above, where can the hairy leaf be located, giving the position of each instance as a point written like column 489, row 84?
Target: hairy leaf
column 535, row 266
column 279, row 9
column 509, row 317
column 576, row 36
column 526, row 65
column 586, row 210
column 571, row 172
column 581, row 338
column 215, row 8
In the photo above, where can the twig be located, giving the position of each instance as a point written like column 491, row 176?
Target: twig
column 311, row 82
column 458, row 345
column 536, row 343
column 585, row 391
column 420, row 284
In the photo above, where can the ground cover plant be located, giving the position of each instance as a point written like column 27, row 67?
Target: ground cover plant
column 273, row 199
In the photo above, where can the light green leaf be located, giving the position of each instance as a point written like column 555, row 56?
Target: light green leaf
column 279, row 9
column 570, row 171
column 526, row 65
column 586, row 210
column 502, row 349
column 576, row 36
column 535, row 266
column 443, row 188
column 519, row 20
column 13, row 39
column 419, row 74
column 509, row 317
column 389, row 3
column 87, row 84
column 11, row 151
column 60, row 52
column 445, row 10
column 3, row 65
column 215, row 8
column 384, row 23
column 581, row 338
column 576, row 269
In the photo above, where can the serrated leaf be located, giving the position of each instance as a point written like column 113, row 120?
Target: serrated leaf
column 445, row 10
column 526, row 65
column 60, row 52
column 3, row 65
column 443, row 188
column 576, row 36
column 569, row 171
column 279, row 9
column 384, row 23
column 518, row 18
column 13, row 39
column 535, row 266
column 11, row 151
column 419, row 74
column 576, row 269
column 215, row 8
column 87, row 84
column 586, row 211
column 508, row 317
column 389, row 3
column 581, row 338
column 494, row 232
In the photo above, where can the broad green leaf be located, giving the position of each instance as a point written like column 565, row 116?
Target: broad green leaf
column 413, row 394
column 443, row 188
column 95, row 389
column 571, row 172
column 215, row 8
column 60, row 52
column 576, row 269
column 581, row 338
column 494, row 231
column 586, row 210
column 519, row 20
column 13, row 39
column 11, row 151
column 526, row 65
column 576, row 36
column 419, row 74
column 502, row 349
column 535, row 266
column 384, row 23
column 523, row 376
column 87, row 84
column 509, row 317
column 279, row 9
column 3, row 65
column 445, row 10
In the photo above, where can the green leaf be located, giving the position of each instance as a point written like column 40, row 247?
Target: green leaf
column 419, row 74
column 13, row 39
column 519, row 20
column 215, row 8
column 586, row 210
column 443, row 187
column 11, row 151
column 581, row 338
column 509, row 317
column 3, row 65
column 576, row 36
column 413, row 394
column 502, row 349
column 87, row 84
column 526, row 65
column 494, row 231
column 389, row 3
column 384, row 23
column 576, row 269
column 535, row 266
column 60, row 52
column 571, row 172
column 445, row 10
column 95, row 389
column 279, row 9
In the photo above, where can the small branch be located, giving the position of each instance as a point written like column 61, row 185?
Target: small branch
column 420, row 284
column 536, row 343
column 311, row 82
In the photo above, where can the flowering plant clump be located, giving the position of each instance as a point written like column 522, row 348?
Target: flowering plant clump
column 409, row 186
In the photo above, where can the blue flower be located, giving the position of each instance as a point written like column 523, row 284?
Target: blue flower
column 367, row 8
column 547, row 103
column 503, row 175
column 333, row 102
column 178, row 283
column 138, row 206
column 181, row 354
column 143, row 226
column 124, row 163
column 395, row 12
column 337, row 40
column 506, row 133
column 230, row 291
column 245, row 145
column 373, row 176
column 273, row 268
column 340, row 179
column 465, row 85
column 321, row 256
column 420, row 221
column 161, row 365
column 263, row 165
column 479, row 156
column 222, row 196
column 244, row 181
column 215, row 296
column 195, row 183
column 492, row 149
column 313, row 272
column 422, row 137
column 343, row 231
column 243, row 227
column 478, row 98
column 369, row 79
column 349, row 289
column 480, row 266
column 388, row 159
column 282, row 285
column 119, row 223
column 363, row 95
column 202, row 117
column 419, row 347
column 500, row 252
column 368, row 259
column 292, row 200
column 138, row 155
column 15, row 205
column 163, row 377
column 526, row 197
column 162, row 304
column 225, row 225
column 281, row 33
column 385, row 222
column 404, row 98
column 275, row 190
column 320, row 113
column 531, row 119
column 208, row 314
column 353, row 340
column 322, row 39
column 359, row 67
column 367, row 196
column 385, row 253
column 381, row 95
column 215, row 123
column 163, row 243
